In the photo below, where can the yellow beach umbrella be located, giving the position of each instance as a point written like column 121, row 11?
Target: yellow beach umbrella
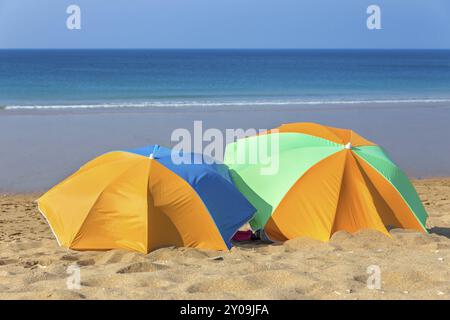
column 140, row 200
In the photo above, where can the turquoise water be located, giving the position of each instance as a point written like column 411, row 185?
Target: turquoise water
column 146, row 78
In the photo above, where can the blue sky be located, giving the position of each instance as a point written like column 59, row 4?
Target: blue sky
column 225, row 24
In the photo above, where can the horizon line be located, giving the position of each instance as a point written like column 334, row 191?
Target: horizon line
column 205, row 48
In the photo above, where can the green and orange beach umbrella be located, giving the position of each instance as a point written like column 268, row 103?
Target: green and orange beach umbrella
column 327, row 179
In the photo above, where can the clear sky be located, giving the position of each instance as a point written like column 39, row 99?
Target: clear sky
column 225, row 24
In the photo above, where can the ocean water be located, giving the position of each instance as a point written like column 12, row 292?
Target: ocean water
column 85, row 103
column 32, row 79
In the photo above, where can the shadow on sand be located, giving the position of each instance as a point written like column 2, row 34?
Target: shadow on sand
column 441, row 231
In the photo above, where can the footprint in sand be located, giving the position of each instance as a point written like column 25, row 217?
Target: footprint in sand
column 142, row 267
column 60, row 295
column 221, row 285
column 86, row 262
column 4, row 262
column 112, row 256
column 39, row 276
column 68, row 257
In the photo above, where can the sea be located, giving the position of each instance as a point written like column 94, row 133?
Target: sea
column 58, row 79
column 62, row 108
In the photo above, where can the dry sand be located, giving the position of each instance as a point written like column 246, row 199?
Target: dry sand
column 413, row 265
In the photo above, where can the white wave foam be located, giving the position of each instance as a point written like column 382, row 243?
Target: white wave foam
column 181, row 104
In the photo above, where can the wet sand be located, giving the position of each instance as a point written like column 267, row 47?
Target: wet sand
column 412, row 265
column 38, row 148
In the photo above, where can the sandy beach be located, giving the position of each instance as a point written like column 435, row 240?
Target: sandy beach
column 413, row 265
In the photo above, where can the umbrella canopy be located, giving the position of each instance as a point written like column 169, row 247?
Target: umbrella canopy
column 141, row 200
column 328, row 179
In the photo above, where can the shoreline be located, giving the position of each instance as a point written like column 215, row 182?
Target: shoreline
column 254, row 107
column 45, row 146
